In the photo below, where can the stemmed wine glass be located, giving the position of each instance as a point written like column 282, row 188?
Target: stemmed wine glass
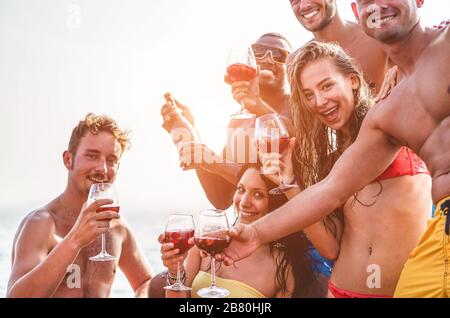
column 179, row 229
column 104, row 191
column 271, row 135
column 211, row 236
column 241, row 66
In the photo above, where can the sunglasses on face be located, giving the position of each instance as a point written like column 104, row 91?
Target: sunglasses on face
column 279, row 56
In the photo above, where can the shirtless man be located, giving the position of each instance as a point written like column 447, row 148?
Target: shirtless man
column 415, row 114
column 267, row 93
column 52, row 246
column 322, row 18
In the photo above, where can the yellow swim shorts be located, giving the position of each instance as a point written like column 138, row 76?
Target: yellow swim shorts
column 426, row 272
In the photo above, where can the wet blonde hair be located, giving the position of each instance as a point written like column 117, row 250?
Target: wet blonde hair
column 319, row 146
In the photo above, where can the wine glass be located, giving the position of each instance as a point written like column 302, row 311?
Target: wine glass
column 271, row 135
column 211, row 236
column 241, row 66
column 104, row 191
column 179, row 229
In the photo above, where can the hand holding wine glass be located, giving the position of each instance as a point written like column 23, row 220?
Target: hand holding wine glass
column 273, row 141
column 90, row 224
column 104, row 191
column 179, row 229
column 211, row 236
column 278, row 166
column 241, row 66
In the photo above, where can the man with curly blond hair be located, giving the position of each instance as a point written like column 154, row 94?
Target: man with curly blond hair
column 53, row 244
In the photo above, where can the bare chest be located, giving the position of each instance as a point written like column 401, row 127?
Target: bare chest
column 87, row 278
column 420, row 103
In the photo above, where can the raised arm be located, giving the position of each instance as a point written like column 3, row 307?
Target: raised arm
column 323, row 239
column 326, row 242
column 217, row 179
column 360, row 164
column 218, row 190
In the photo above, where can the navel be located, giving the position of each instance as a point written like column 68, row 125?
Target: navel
column 448, row 90
column 370, row 250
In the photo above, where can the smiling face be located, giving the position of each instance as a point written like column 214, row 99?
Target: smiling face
column 329, row 94
column 388, row 21
column 314, row 15
column 96, row 160
column 272, row 76
column 251, row 199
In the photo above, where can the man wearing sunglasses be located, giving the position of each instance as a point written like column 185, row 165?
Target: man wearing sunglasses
column 269, row 92
column 322, row 18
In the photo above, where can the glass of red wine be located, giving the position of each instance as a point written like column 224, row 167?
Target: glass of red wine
column 211, row 236
column 271, row 135
column 241, row 66
column 179, row 229
column 104, row 191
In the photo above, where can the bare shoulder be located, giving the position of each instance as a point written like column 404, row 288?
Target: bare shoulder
column 363, row 46
column 445, row 30
column 444, row 36
column 377, row 110
column 38, row 222
column 440, row 38
column 36, row 229
column 360, row 36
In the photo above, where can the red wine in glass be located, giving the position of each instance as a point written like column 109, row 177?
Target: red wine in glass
column 212, row 245
column 108, row 208
column 241, row 66
column 179, row 229
column 211, row 236
column 268, row 145
column 104, row 191
column 269, row 131
column 241, row 72
column 180, row 239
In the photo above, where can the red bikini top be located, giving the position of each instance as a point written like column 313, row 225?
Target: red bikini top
column 407, row 163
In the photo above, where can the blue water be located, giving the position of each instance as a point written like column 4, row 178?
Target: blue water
column 146, row 225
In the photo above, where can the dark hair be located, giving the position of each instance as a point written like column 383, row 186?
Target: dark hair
column 293, row 249
column 276, row 35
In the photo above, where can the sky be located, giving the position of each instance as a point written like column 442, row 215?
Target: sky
column 60, row 59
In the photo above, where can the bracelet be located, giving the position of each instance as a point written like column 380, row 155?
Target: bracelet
column 171, row 279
